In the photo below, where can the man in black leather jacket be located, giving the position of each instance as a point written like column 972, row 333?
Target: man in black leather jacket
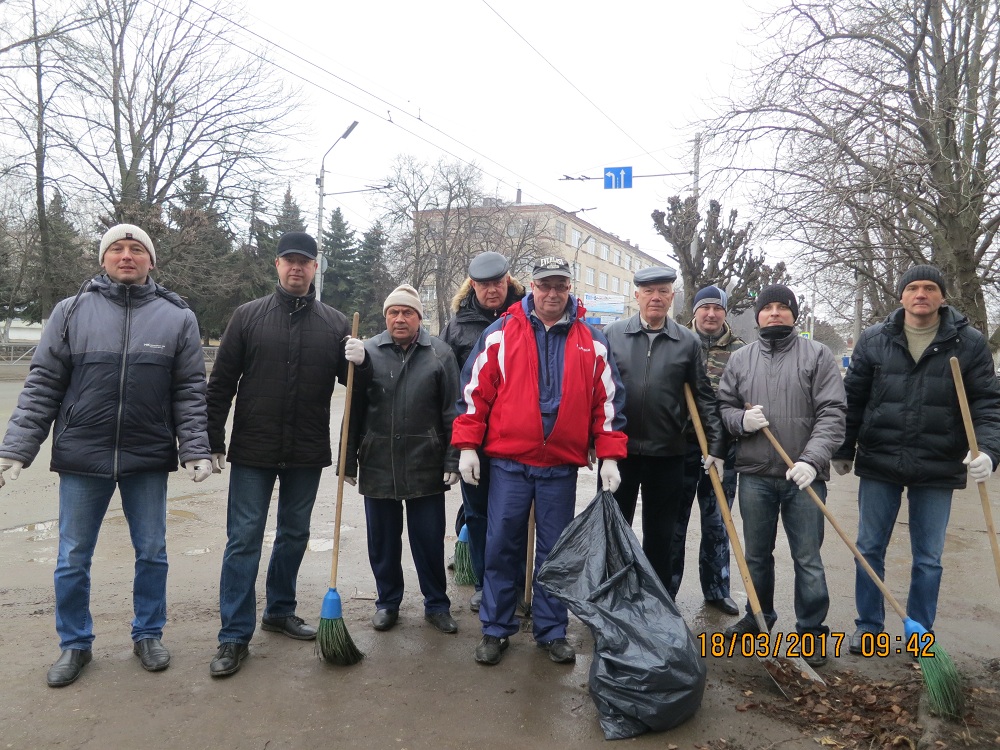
column 656, row 356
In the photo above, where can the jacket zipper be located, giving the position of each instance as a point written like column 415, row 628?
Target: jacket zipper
column 121, row 382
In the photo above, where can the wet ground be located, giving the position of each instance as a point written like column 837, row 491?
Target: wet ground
column 418, row 688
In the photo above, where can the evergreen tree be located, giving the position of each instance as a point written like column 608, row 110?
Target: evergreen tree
column 340, row 248
column 71, row 262
column 373, row 281
column 290, row 217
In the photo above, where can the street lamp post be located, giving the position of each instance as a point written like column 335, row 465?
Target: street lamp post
column 321, row 182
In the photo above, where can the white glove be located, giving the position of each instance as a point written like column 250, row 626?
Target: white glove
column 591, row 458
column 468, row 467
column 450, row 478
column 802, row 474
column 354, row 351
column 715, row 461
column 842, row 466
column 754, row 419
column 610, row 478
column 218, row 462
column 980, row 467
column 353, row 481
column 199, row 470
column 11, row 464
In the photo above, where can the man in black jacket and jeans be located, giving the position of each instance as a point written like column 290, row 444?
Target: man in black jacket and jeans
column 904, row 429
column 656, row 357
column 280, row 356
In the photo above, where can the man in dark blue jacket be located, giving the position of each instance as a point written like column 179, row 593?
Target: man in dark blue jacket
column 120, row 370
column 280, row 357
column 904, row 429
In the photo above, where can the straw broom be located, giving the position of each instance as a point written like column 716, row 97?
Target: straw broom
column 941, row 678
column 333, row 642
column 464, row 573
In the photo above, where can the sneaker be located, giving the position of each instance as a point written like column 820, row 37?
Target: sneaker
column 747, row 625
column 490, row 649
column 559, row 651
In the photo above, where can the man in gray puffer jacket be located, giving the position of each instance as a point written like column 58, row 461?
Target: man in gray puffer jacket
column 796, row 383
column 120, row 370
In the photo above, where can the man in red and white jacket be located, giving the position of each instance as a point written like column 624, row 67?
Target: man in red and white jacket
column 538, row 391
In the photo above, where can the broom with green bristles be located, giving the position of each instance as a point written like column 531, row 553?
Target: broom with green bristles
column 333, row 642
column 465, row 575
column 941, row 678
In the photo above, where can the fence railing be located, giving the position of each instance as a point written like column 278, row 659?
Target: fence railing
column 20, row 354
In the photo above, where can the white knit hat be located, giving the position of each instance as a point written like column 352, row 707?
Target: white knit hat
column 126, row 232
column 405, row 295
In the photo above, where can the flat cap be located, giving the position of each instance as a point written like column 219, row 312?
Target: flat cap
column 488, row 266
column 655, row 275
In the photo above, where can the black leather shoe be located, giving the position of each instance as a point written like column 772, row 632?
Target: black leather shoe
column 443, row 621
column 152, row 654
column 490, row 650
column 726, row 605
column 228, row 659
column 68, row 667
column 292, row 626
column 384, row 619
column 476, row 601
column 559, row 651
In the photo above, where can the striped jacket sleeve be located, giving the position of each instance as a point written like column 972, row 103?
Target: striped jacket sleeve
column 608, row 410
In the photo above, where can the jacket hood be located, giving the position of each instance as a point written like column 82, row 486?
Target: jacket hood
column 465, row 294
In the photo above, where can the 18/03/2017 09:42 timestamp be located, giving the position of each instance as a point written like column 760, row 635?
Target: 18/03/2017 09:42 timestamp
column 812, row 644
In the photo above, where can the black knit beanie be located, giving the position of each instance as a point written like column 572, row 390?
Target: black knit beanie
column 776, row 293
column 920, row 273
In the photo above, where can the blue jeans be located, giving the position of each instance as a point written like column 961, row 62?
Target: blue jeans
column 250, row 491
column 878, row 506
column 83, row 501
column 513, row 487
column 762, row 500
column 425, row 522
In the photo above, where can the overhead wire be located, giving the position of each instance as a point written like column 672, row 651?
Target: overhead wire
column 301, row 58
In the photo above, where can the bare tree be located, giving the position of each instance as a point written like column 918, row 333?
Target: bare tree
column 878, row 119
column 441, row 217
column 162, row 93
column 723, row 254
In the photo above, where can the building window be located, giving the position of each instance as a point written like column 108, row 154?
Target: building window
column 628, row 262
column 590, row 276
column 561, row 231
column 614, row 283
column 591, row 244
column 604, row 251
column 576, row 238
column 602, row 281
column 576, row 271
column 616, row 256
column 625, row 287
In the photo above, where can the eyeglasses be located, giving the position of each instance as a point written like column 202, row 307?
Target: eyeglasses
column 545, row 287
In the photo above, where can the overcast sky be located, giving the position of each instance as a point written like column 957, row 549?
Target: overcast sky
column 606, row 85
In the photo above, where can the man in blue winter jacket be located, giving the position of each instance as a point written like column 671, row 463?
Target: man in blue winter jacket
column 120, row 370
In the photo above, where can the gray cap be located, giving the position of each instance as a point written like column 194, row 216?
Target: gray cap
column 488, row 266
column 655, row 275
column 551, row 266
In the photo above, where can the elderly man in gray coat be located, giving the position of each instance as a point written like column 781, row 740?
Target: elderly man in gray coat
column 794, row 385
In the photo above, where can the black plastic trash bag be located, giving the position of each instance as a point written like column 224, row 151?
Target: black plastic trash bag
column 647, row 673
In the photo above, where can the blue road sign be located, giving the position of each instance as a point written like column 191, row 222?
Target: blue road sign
column 616, row 178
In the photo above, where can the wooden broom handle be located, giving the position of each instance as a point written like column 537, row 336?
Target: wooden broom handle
column 727, row 517
column 344, row 430
column 970, row 434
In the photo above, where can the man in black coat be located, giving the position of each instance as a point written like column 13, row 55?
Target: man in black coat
column 406, row 395
column 483, row 298
column 904, row 429
column 280, row 357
